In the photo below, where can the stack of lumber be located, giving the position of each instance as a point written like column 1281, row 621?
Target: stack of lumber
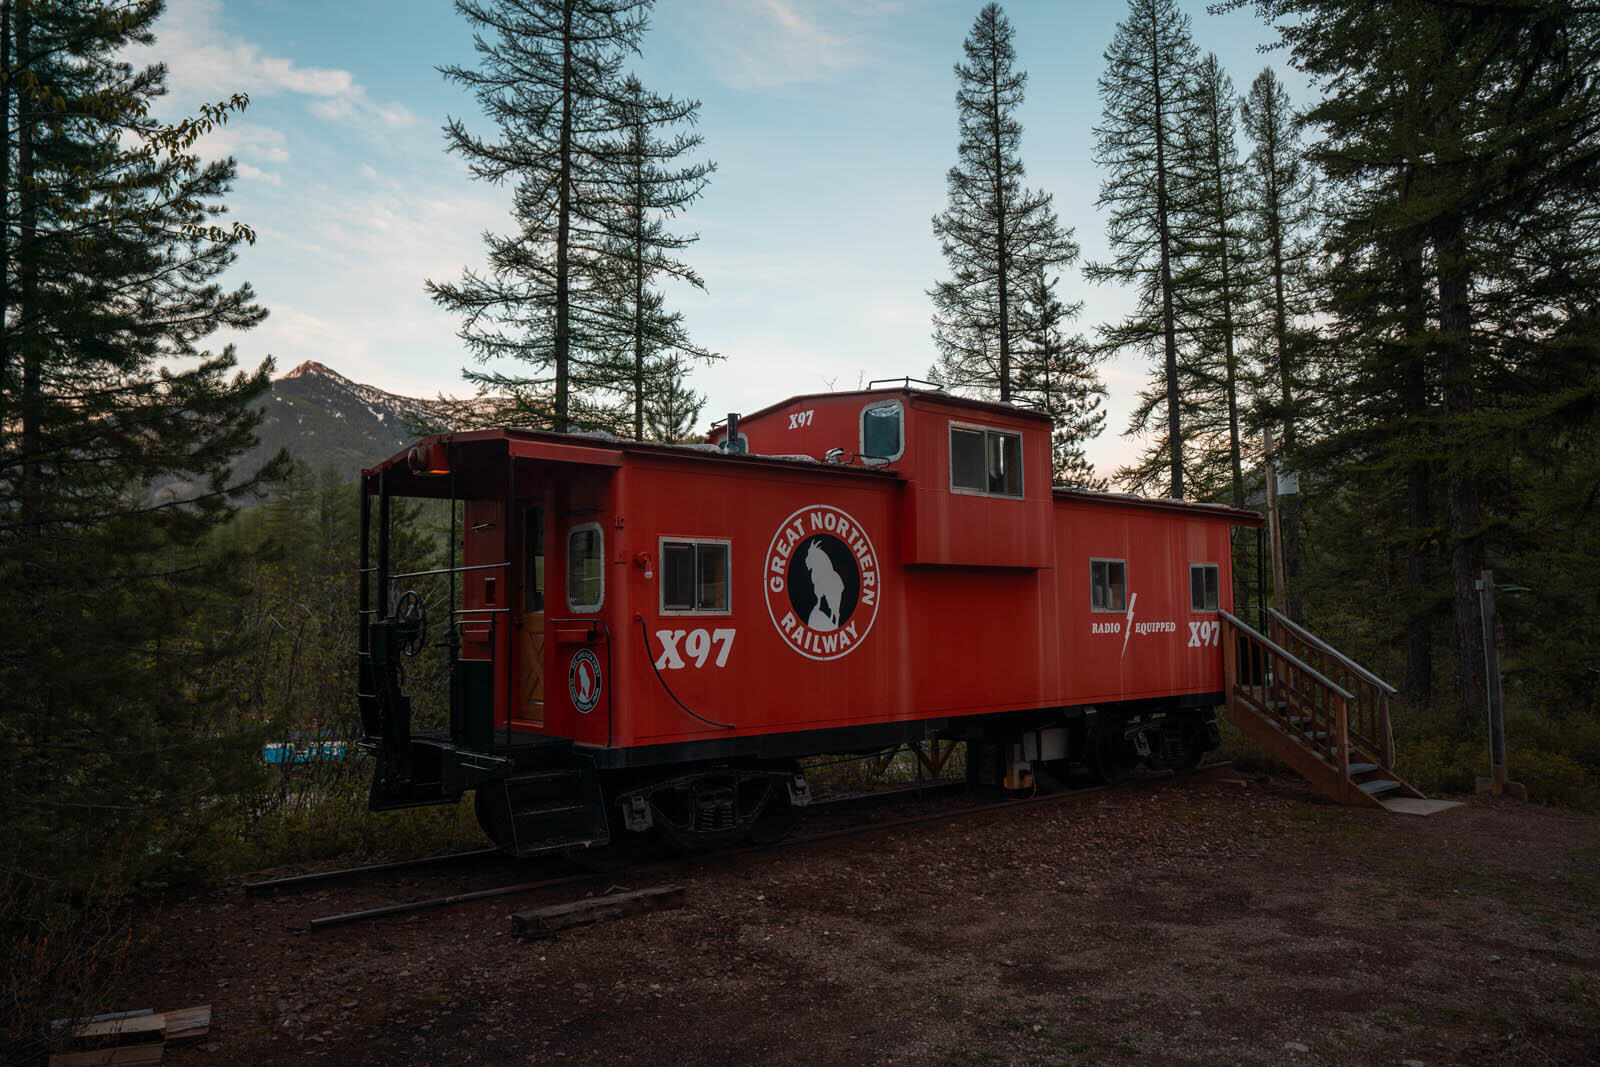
column 132, row 1038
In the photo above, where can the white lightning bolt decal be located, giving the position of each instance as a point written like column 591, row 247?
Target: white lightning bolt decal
column 1127, row 626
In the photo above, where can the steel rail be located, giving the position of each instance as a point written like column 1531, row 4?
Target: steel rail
column 297, row 881
column 328, row 921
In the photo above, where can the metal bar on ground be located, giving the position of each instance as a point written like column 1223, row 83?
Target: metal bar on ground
column 294, row 881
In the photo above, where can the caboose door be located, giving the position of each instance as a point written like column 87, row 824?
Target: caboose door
column 530, row 626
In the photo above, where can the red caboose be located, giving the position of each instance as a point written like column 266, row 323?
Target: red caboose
column 645, row 636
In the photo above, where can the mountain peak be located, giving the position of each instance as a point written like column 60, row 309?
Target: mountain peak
column 312, row 369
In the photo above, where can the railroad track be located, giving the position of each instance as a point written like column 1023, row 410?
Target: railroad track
column 319, row 879
column 798, row 840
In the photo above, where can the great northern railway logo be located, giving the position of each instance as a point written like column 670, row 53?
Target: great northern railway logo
column 821, row 578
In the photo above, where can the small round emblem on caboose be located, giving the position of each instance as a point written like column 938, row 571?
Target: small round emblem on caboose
column 584, row 680
column 821, row 579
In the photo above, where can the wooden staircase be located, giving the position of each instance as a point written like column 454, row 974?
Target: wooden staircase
column 1313, row 708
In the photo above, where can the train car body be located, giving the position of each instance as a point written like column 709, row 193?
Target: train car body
column 647, row 637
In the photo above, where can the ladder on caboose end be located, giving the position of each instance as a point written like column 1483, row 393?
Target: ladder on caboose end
column 1315, row 709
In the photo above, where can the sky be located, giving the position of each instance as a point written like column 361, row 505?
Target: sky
column 832, row 124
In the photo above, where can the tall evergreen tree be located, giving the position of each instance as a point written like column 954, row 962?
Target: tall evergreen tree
column 651, row 186
column 1148, row 93
column 1056, row 374
column 995, row 234
column 1215, row 271
column 117, row 430
column 550, row 78
column 1280, row 198
column 1211, row 275
column 1460, row 137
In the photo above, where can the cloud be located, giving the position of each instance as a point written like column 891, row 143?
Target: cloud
column 769, row 43
column 207, row 62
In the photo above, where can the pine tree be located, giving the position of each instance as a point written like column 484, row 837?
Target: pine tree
column 550, row 78
column 1215, row 271
column 1281, row 200
column 651, row 186
column 1459, row 138
column 116, row 433
column 671, row 408
column 995, row 234
column 1057, row 375
column 1148, row 93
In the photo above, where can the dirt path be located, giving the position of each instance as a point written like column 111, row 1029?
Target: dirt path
column 1193, row 924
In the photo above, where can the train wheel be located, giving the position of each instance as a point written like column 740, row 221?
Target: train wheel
column 776, row 821
column 1194, row 749
column 1110, row 757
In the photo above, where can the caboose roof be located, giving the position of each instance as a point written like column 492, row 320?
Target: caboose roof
column 592, row 448
column 938, row 396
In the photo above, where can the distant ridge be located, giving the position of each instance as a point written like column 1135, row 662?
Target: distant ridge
column 326, row 420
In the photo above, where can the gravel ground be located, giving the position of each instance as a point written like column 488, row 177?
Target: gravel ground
column 1214, row 921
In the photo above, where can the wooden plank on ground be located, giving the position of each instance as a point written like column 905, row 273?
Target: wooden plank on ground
column 121, row 1056
column 187, row 1024
column 113, row 1031
column 1414, row 806
column 595, row 909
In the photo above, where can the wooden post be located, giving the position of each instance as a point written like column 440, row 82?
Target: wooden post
column 1491, row 686
column 1342, row 733
column 1385, row 729
column 1280, row 594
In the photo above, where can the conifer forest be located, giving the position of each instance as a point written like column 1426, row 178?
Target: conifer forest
column 1378, row 248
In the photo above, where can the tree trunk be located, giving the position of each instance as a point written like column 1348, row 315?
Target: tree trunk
column 1000, row 225
column 564, row 218
column 1461, row 488
column 1234, row 459
column 5, row 213
column 638, row 289
column 1418, row 684
column 1168, row 326
column 31, row 490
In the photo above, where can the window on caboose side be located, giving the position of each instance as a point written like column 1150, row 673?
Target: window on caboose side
column 985, row 461
column 1204, row 586
column 1108, row 585
column 694, row 577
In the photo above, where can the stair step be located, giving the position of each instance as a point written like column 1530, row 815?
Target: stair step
column 1362, row 768
column 1379, row 786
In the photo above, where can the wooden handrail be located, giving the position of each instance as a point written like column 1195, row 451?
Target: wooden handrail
column 1288, row 656
column 1350, row 664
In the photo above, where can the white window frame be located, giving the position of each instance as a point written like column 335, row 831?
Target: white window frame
column 567, row 568
column 1204, row 611
column 950, row 455
column 661, row 585
column 861, row 429
column 1108, row 611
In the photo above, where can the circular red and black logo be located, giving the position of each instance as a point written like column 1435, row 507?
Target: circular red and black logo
column 584, row 680
column 821, row 579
